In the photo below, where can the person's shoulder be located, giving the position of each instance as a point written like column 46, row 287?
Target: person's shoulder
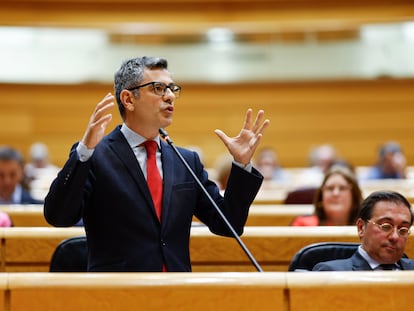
column 334, row 265
column 354, row 262
column 374, row 172
column 115, row 134
column 408, row 264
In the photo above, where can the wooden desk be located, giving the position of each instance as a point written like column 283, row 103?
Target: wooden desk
column 145, row 291
column 350, row 290
column 3, row 291
column 294, row 291
column 260, row 214
column 276, row 214
column 272, row 247
column 30, row 249
column 25, row 215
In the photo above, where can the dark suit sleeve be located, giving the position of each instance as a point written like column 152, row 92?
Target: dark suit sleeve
column 241, row 190
column 64, row 201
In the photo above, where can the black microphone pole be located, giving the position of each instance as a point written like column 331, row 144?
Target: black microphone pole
column 165, row 136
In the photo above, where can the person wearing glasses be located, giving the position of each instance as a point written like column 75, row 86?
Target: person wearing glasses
column 383, row 225
column 104, row 180
column 337, row 200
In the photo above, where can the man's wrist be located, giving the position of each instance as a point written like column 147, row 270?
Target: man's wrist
column 84, row 154
column 247, row 167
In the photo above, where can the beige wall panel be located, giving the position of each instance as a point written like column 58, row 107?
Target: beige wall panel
column 354, row 116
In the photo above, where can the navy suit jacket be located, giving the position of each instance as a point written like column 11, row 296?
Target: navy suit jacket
column 110, row 193
column 356, row 263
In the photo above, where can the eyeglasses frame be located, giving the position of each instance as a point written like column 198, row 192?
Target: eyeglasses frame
column 170, row 86
column 381, row 227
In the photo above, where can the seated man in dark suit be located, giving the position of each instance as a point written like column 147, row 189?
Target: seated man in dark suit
column 11, row 178
column 383, row 224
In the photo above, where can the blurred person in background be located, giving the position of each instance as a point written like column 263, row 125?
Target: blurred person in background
column 321, row 158
column 39, row 162
column 39, row 172
column 391, row 163
column 336, row 201
column 12, row 190
column 222, row 168
column 267, row 163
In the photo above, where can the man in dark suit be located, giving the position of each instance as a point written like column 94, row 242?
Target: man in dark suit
column 11, row 178
column 104, row 179
column 383, row 226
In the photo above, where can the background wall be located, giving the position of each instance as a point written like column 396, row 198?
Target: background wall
column 354, row 116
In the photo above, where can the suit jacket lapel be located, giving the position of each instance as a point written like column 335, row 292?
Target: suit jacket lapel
column 359, row 263
column 119, row 145
column 168, row 158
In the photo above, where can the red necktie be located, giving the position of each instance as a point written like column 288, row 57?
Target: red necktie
column 153, row 176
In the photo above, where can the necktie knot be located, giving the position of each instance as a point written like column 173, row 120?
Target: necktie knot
column 388, row 266
column 150, row 147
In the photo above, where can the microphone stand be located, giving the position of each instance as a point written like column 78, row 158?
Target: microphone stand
column 165, row 136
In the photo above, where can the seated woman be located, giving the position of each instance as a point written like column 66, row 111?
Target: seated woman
column 337, row 200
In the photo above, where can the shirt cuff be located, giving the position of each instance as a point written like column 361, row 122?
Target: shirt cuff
column 248, row 167
column 84, row 154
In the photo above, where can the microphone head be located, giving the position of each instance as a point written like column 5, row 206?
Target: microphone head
column 162, row 132
column 164, row 135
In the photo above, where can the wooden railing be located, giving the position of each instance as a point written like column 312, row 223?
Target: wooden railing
column 30, row 249
column 259, row 215
column 293, row 291
column 25, row 215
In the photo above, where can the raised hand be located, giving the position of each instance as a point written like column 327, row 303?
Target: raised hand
column 98, row 122
column 243, row 146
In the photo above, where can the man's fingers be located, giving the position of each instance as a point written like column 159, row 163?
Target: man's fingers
column 103, row 121
column 221, row 135
column 247, row 119
column 104, row 105
column 100, row 113
column 257, row 123
column 264, row 126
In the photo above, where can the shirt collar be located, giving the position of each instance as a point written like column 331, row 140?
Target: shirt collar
column 134, row 139
column 372, row 263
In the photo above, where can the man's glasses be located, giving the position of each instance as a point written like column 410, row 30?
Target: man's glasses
column 160, row 88
column 388, row 228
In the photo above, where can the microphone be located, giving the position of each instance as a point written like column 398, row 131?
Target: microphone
column 165, row 136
